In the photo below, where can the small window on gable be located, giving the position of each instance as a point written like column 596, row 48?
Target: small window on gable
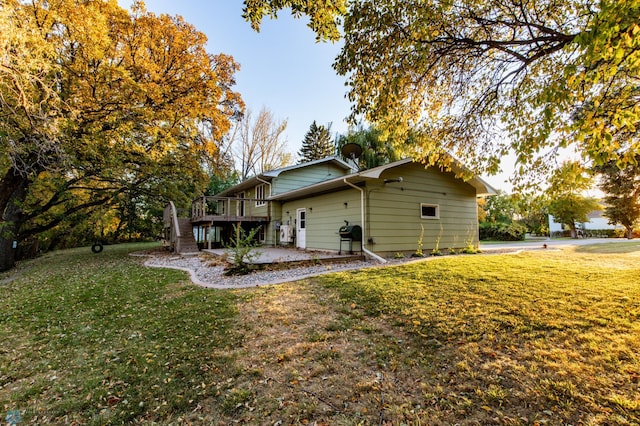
column 261, row 195
column 429, row 211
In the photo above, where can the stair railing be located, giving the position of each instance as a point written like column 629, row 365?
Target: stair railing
column 174, row 219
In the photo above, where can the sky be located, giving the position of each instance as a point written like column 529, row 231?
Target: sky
column 282, row 66
column 282, row 69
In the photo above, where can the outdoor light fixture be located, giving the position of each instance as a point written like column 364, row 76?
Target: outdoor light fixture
column 398, row 179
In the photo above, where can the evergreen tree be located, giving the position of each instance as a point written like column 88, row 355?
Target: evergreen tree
column 317, row 144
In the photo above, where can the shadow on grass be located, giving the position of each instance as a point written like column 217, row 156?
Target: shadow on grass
column 630, row 246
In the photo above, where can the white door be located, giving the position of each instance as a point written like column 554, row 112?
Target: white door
column 301, row 228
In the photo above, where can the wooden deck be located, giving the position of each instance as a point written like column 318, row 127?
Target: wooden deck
column 210, row 210
column 211, row 218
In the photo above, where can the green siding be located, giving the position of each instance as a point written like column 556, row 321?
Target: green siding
column 271, row 235
column 250, row 206
column 393, row 214
column 298, row 178
column 325, row 215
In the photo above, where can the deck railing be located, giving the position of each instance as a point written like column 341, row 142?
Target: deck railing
column 228, row 209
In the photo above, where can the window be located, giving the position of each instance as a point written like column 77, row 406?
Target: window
column 261, row 195
column 302, row 214
column 429, row 211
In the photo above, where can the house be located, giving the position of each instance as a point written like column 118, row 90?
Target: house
column 380, row 211
column 598, row 224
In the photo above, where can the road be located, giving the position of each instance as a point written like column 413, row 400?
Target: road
column 551, row 243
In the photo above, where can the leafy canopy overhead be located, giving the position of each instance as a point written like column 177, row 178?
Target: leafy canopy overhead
column 479, row 78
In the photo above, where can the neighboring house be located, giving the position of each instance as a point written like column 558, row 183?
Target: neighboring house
column 306, row 205
column 597, row 222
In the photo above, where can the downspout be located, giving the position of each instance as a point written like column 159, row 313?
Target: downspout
column 364, row 237
column 266, row 183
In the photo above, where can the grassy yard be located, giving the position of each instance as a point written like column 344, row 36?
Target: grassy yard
column 543, row 337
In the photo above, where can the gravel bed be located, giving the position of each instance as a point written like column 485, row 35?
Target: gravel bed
column 203, row 273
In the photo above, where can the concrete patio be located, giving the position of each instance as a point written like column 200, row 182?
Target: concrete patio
column 291, row 255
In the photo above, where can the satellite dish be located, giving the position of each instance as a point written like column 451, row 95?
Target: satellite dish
column 351, row 150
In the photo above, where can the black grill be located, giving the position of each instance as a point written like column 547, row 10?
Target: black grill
column 350, row 233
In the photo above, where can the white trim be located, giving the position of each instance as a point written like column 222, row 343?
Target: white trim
column 301, row 228
column 261, row 200
column 436, row 206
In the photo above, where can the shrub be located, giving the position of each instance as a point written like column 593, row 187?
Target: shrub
column 241, row 251
column 502, row 231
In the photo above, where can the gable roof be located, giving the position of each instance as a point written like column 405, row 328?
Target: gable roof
column 269, row 175
column 332, row 160
column 482, row 187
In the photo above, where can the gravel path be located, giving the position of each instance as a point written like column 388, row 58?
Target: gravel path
column 206, row 275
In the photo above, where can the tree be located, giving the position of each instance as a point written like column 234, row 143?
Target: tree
column 98, row 102
column 323, row 16
column 259, row 144
column 568, row 206
column 480, row 78
column 500, row 208
column 533, row 212
column 622, row 189
column 375, row 151
column 316, row 144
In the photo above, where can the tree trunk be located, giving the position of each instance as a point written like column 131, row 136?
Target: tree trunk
column 9, row 238
column 630, row 233
column 7, row 254
column 574, row 231
column 13, row 188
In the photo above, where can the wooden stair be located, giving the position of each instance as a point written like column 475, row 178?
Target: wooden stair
column 186, row 242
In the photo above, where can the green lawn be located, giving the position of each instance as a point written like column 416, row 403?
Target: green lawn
column 99, row 339
column 543, row 337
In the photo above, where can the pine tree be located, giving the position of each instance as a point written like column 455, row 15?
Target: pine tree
column 317, row 144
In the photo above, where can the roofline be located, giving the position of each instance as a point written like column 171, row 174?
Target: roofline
column 333, row 159
column 269, row 175
column 245, row 184
column 481, row 186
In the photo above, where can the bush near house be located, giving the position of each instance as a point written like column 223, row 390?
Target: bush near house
column 596, row 233
column 502, row 231
column 621, row 233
